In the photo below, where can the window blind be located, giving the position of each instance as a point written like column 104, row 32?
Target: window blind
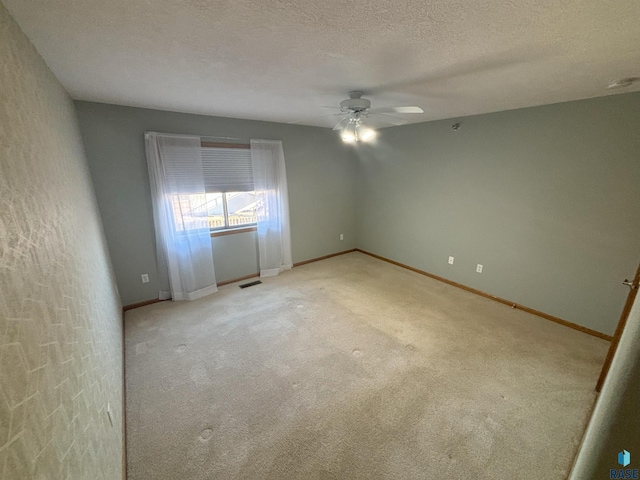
column 181, row 169
column 227, row 169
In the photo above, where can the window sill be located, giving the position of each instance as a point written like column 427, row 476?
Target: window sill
column 233, row 231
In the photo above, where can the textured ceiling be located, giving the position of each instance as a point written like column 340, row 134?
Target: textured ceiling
column 283, row 60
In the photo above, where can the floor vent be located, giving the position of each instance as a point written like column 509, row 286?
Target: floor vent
column 250, row 284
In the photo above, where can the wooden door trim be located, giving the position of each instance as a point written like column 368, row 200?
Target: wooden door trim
column 619, row 329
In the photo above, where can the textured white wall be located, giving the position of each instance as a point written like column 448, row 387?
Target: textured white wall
column 615, row 423
column 60, row 320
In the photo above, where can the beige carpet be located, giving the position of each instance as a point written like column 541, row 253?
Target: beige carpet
column 351, row 368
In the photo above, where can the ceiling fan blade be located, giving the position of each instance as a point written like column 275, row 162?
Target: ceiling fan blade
column 386, row 118
column 342, row 123
column 407, row 109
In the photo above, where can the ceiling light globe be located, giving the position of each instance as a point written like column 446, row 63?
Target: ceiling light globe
column 368, row 135
column 348, row 137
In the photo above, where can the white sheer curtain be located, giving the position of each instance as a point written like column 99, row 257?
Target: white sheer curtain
column 183, row 241
column 270, row 183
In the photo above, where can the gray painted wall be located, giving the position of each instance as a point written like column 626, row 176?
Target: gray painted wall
column 546, row 198
column 240, row 256
column 321, row 174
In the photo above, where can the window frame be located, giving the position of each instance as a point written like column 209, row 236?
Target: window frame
column 232, row 231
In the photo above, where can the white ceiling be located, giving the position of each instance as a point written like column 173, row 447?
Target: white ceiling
column 282, row 60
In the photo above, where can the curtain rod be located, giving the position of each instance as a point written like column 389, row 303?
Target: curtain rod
column 204, row 144
column 245, row 140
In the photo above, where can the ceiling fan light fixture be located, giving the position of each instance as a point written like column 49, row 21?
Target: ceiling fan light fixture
column 356, row 131
column 368, row 135
column 348, row 137
column 356, row 109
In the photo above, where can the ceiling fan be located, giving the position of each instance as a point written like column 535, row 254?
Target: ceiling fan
column 356, row 110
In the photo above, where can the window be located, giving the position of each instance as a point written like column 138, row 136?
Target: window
column 226, row 210
column 230, row 199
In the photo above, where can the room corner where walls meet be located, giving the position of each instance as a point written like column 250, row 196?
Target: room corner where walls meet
column 321, row 173
column 545, row 198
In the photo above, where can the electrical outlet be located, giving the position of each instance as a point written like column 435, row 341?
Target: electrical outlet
column 479, row 268
column 450, row 260
column 342, row 236
column 145, row 278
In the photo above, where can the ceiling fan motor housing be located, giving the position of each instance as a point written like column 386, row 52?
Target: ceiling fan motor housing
column 355, row 103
